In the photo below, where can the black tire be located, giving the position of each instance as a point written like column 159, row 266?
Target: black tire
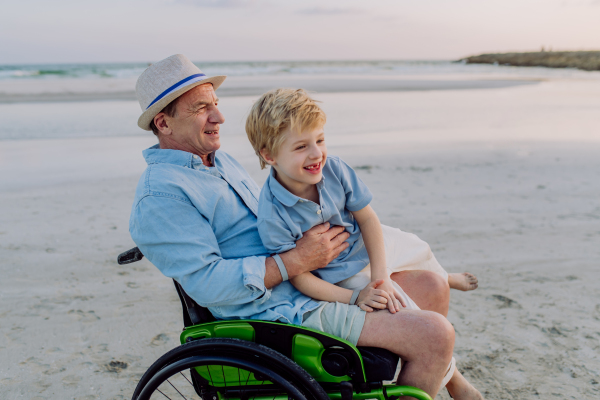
column 282, row 375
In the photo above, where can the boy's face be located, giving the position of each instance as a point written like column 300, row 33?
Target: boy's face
column 301, row 158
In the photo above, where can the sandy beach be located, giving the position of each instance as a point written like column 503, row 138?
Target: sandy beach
column 502, row 181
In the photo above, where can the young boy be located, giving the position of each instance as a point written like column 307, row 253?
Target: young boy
column 307, row 187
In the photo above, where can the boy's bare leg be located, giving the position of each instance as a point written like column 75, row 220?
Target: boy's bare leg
column 429, row 290
column 423, row 339
column 432, row 292
column 464, row 281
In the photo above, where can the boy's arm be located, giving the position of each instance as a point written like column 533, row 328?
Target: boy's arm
column 319, row 289
column 369, row 298
column 372, row 234
column 370, row 227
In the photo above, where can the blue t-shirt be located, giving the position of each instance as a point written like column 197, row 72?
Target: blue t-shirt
column 283, row 216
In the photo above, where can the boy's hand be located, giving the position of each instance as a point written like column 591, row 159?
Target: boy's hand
column 397, row 300
column 371, row 297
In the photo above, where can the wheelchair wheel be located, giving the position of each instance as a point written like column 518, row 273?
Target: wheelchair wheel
column 218, row 369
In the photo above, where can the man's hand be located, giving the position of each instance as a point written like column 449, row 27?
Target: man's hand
column 318, row 247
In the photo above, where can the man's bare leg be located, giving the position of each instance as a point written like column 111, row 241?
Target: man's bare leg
column 464, row 281
column 431, row 292
column 423, row 339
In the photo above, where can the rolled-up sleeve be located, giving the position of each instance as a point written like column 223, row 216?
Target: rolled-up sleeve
column 182, row 244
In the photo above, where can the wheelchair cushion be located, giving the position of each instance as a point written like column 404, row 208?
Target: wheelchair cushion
column 380, row 364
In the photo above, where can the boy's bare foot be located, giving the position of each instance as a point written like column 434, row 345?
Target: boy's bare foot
column 460, row 389
column 464, row 281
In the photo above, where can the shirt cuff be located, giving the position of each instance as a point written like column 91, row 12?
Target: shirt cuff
column 254, row 275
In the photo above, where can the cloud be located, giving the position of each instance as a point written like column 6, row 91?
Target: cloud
column 220, row 3
column 329, row 11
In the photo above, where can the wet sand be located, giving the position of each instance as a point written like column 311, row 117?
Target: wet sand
column 78, row 90
column 501, row 182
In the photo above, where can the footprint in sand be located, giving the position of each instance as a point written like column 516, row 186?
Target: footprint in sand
column 116, row 366
column 505, row 302
column 159, row 339
column 84, row 316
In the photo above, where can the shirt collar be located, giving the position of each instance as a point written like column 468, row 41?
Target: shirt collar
column 156, row 155
column 284, row 196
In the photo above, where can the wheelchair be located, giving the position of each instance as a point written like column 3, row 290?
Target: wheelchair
column 264, row 360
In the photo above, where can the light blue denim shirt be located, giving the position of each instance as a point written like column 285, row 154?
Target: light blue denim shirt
column 197, row 224
column 283, row 217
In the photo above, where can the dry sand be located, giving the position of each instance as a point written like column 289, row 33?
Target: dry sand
column 503, row 183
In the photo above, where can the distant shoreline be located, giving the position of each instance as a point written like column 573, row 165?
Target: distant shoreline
column 583, row 60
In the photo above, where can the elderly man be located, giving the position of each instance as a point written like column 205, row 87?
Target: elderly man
column 194, row 217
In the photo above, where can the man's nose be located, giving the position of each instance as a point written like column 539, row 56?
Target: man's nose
column 216, row 117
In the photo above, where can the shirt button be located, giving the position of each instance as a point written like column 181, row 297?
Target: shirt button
column 195, row 156
column 318, row 211
column 301, row 201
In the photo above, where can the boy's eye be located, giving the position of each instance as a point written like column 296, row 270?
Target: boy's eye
column 300, row 147
column 320, row 140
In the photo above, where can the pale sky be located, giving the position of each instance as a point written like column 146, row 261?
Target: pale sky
column 59, row 31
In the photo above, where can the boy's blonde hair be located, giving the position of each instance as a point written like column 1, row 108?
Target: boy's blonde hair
column 276, row 111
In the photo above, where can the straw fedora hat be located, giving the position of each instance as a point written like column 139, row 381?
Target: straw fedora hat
column 166, row 80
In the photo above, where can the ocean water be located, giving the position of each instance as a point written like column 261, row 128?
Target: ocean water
column 282, row 68
column 66, row 116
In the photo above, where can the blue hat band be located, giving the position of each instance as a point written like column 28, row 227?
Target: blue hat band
column 182, row 83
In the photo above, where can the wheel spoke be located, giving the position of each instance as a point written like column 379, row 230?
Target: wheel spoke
column 176, row 389
column 158, row 390
column 209, row 375
column 186, row 378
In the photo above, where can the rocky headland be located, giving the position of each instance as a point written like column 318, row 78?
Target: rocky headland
column 584, row 60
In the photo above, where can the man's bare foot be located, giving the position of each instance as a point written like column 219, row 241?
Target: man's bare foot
column 464, row 281
column 460, row 389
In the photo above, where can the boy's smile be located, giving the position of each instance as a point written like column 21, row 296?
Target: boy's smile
column 313, row 168
column 300, row 159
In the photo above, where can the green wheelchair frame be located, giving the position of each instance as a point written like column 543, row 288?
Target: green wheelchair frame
column 262, row 360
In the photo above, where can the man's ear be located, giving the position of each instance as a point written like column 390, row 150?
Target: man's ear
column 161, row 124
column 268, row 157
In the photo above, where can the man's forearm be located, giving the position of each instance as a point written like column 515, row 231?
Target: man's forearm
column 293, row 268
